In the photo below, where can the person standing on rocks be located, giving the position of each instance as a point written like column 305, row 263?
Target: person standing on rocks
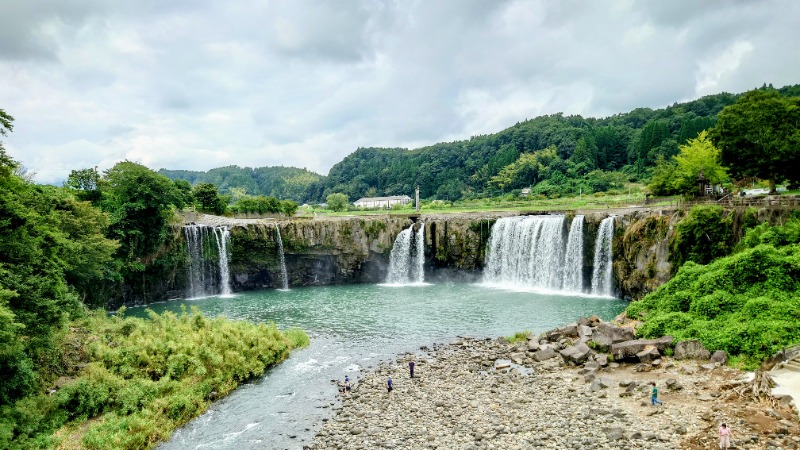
column 347, row 385
column 654, row 397
column 411, row 368
column 389, row 386
column 725, row 434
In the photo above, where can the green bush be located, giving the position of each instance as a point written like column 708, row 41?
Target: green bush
column 747, row 304
column 144, row 378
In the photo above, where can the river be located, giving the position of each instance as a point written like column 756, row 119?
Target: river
column 353, row 328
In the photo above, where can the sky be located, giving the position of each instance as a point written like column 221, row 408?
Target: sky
column 197, row 84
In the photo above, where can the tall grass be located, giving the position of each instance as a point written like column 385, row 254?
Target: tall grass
column 139, row 379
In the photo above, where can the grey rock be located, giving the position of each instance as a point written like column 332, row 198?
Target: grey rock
column 691, row 349
column 601, row 341
column 545, row 354
column 629, row 349
column 719, row 357
column 576, row 354
column 617, row 334
column 649, row 354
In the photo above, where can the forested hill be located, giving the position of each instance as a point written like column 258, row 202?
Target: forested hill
column 292, row 183
column 555, row 154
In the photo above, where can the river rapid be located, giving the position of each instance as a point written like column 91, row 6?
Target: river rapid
column 352, row 329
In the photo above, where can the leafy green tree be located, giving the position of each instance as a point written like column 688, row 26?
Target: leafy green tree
column 139, row 202
column 87, row 184
column 759, row 136
column 289, row 207
column 337, row 201
column 183, row 193
column 208, row 198
column 662, row 181
column 697, row 155
column 529, row 169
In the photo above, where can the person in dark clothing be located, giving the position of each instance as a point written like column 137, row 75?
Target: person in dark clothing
column 389, row 386
column 411, row 368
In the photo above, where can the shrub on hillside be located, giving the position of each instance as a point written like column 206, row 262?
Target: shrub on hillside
column 747, row 304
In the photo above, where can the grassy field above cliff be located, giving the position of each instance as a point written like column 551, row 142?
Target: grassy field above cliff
column 133, row 381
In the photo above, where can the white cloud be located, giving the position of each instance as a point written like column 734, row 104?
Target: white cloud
column 200, row 84
column 711, row 72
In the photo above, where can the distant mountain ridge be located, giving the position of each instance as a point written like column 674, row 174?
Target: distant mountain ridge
column 588, row 154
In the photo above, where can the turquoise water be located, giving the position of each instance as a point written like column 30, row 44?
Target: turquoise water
column 353, row 328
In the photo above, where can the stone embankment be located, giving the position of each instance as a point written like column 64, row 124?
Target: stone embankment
column 558, row 391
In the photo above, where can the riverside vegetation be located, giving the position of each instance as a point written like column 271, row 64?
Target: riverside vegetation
column 128, row 382
column 72, row 377
column 743, row 298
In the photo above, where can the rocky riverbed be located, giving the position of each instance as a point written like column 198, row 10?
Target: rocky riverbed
column 488, row 393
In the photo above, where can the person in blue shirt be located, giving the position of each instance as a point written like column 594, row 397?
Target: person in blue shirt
column 389, row 386
column 411, row 368
column 347, row 385
column 654, row 397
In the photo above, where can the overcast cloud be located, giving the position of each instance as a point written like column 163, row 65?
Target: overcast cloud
column 193, row 84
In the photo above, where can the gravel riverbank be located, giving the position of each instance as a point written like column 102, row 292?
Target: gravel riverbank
column 468, row 394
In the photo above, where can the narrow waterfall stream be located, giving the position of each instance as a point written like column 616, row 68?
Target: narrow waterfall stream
column 223, row 237
column 602, row 277
column 407, row 259
column 207, row 272
column 284, row 274
column 573, row 257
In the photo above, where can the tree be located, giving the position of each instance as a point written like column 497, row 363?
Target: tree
column 86, row 183
column 759, row 136
column 337, row 202
column 698, row 154
column 139, row 202
column 208, row 198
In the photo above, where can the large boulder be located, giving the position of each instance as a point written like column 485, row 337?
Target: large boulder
column 617, row 334
column 576, row 354
column 649, row 354
column 601, row 342
column 545, row 353
column 568, row 331
column 692, row 349
column 629, row 349
column 719, row 357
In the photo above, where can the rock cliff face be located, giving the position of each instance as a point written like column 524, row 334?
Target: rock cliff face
column 357, row 249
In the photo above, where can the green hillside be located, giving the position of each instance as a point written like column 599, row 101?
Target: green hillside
column 556, row 155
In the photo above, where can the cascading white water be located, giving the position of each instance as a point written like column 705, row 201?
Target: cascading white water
column 208, row 272
column 526, row 252
column 573, row 257
column 407, row 261
column 418, row 268
column 223, row 236
column 602, row 281
column 284, row 274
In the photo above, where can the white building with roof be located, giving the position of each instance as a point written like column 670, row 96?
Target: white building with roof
column 382, row 202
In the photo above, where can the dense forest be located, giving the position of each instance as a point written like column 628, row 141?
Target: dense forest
column 555, row 155
column 236, row 182
column 64, row 253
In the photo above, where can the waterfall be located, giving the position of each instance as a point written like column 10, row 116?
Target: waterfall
column 407, row 259
column 526, row 252
column 284, row 275
column 573, row 257
column 208, row 272
column 602, row 282
column 223, row 236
